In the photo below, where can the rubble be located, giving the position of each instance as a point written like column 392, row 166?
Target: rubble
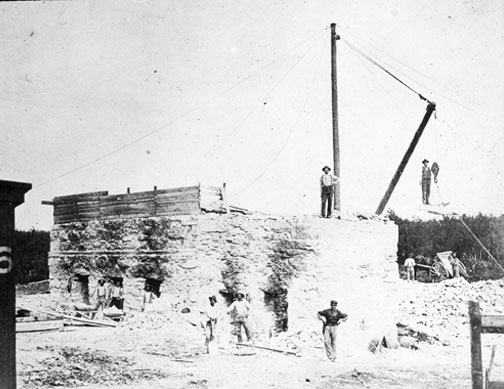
column 440, row 309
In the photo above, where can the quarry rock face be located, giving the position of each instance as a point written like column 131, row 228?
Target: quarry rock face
column 289, row 267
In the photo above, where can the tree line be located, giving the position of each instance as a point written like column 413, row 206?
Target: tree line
column 426, row 238
column 30, row 251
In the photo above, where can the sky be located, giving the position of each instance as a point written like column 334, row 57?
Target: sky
column 112, row 95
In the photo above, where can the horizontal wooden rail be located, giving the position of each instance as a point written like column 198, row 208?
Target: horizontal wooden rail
column 481, row 324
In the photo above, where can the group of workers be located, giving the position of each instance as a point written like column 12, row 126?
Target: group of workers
column 106, row 296
column 111, row 294
column 240, row 310
column 410, row 263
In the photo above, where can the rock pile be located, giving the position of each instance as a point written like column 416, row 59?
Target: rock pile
column 441, row 309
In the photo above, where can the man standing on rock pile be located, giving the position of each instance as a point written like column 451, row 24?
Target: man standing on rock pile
column 239, row 311
column 331, row 318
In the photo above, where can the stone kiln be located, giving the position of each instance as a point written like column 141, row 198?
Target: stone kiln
column 290, row 267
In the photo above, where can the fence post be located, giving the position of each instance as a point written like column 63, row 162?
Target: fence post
column 199, row 197
column 476, row 358
column 225, row 198
column 11, row 195
column 155, row 200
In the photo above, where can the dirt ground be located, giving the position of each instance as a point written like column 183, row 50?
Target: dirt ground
column 94, row 358
column 186, row 366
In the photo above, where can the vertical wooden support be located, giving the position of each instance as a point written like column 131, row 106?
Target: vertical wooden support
column 334, row 90
column 225, row 198
column 199, row 196
column 476, row 358
column 11, row 195
column 155, row 201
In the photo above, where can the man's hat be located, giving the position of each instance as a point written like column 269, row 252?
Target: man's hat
column 425, row 160
column 334, row 302
column 213, row 298
column 240, row 292
column 326, row 167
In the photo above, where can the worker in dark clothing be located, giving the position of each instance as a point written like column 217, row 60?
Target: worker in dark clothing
column 331, row 318
column 426, row 181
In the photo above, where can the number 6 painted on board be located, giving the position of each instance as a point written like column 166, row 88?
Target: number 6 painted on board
column 5, row 260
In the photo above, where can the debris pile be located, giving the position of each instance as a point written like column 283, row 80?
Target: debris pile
column 72, row 367
column 164, row 318
column 441, row 309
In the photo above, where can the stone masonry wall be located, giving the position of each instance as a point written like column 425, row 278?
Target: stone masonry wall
column 198, row 256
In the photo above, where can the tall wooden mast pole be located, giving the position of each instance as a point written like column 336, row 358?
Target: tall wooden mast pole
column 336, row 151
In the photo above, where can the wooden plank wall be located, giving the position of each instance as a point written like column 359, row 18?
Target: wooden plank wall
column 165, row 202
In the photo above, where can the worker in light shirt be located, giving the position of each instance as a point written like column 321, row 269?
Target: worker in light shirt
column 239, row 311
column 327, row 181
column 211, row 316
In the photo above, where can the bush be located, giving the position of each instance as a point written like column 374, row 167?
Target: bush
column 30, row 250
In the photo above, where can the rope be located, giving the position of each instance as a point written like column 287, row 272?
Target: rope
column 290, row 132
column 184, row 114
column 488, row 252
column 385, row 70
column 381, row 85
column 249, row 114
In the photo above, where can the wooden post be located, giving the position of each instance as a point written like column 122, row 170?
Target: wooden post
column 334, row 89
column 155, row 200
column 225, row 198
column 199, row 196
column 395, row 179
column 11, row 195
column 476, row 358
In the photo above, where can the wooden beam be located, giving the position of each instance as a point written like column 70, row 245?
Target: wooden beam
column 267, row 348
column 39, row 326
column 45, row 202
column 492, row 324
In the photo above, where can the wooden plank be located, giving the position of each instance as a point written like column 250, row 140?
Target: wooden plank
column 39, row 326
column 187, row 189
column 492, row 324
column 178, row 197
column 76, row 197
column 195, row 210
column 92, row 322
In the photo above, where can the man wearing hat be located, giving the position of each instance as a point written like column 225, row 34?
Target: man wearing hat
column 327, row 181
column 239, row 311
column 331, row 318
column 426, row 181
column 211, row 322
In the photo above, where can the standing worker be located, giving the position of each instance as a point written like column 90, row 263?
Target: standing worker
column 148, row 297
column 331, row 318
column 410, row 268
column 327, row 182
column 455, row 266
column 116, row 295
column 211, row 322
column 426, row 181
column 100, row 294
column 239, row 311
